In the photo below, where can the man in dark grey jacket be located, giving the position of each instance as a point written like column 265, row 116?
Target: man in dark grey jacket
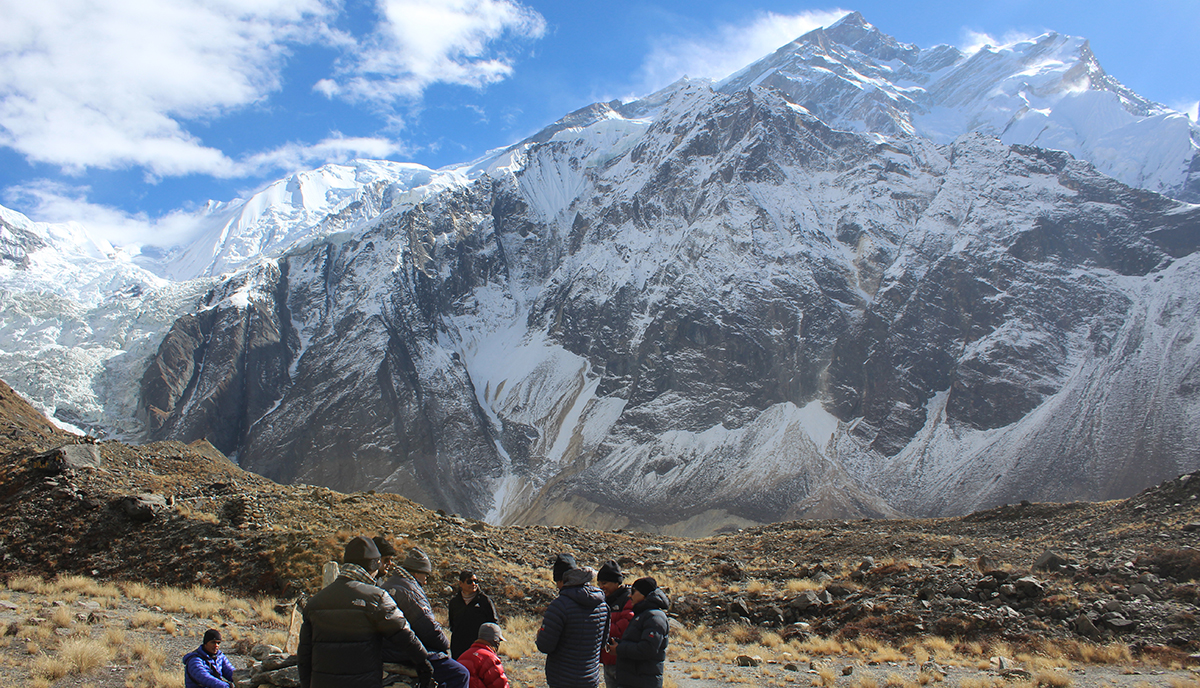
column 407, row 588
column 573, row 630
column 642, row 650
column 349, row 623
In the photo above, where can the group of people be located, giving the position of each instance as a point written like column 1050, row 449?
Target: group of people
column 375, row 613
column 610, row 629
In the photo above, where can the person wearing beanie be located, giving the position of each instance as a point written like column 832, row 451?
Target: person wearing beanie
column 387, row 552
column 406, row 587
column 642, row 649
column 620, row 613
column 562, row 564
column 351, row 623
column 207, row 666
column 573, row 630
column 469, row 609
column 481, row 660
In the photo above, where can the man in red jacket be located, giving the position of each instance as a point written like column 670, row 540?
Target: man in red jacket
column 620, row 613
column 481, row 660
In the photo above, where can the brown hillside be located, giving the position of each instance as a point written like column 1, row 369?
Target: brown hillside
column 1127, row 571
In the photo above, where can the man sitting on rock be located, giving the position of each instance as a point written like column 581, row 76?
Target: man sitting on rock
column 350, row 624
column 207, row 666
column 406, row 588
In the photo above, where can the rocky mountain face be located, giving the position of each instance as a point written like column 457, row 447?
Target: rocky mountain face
column 782, row 296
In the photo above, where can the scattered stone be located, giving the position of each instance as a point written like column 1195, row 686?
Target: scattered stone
column 747, row 660
column 278, row 660
column 261, row 652
column 847, row 670
column 1085, row 627
column 142, row 507
column 1051, row 561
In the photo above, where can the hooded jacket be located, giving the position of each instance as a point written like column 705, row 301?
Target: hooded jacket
column 202, row 670
column 643, row 647
column 345, row 628
column 573, row 631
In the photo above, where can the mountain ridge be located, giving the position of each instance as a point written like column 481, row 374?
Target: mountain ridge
column 700, row 311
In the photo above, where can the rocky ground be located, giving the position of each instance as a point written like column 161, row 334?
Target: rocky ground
column 1024, row 576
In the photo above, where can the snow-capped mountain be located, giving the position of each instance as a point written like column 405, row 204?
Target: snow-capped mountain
column 1049, row 92
column 296, row 210
column 838, row 283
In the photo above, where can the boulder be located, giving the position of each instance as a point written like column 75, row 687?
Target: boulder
column 1051, row 561
column 67, row 456
column 804, row 601
column 142, row 507
column 261, row 652
column 1029, row 587
column 279, row 661
column 747, row 660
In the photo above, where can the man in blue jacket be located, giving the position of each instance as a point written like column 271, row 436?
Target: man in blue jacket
column 207, row 666
column 573, row 628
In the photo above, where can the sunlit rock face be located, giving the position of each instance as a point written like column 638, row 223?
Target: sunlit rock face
column 837, row 284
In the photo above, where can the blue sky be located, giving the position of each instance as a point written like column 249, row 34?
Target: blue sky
column 126, row 114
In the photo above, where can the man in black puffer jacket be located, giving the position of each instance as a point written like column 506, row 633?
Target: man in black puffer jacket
column 642, row 650
column 407, row 589
column 573, row 630
column 348, row 624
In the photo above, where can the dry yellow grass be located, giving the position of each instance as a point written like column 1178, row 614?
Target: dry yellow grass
column 146, row 620
column 49, row 668
column 818, row 646
column 1052, row 679
column 62, row 617
column 85, row 655
column 865, row 681
column 520, row 633
column 827, row 676
column 798, row 585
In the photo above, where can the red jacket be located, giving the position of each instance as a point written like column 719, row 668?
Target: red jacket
column 618, row 622
column 486, row 671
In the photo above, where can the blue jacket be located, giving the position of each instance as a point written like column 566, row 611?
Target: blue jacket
column 572, row 635
column 202, row 670
column 643, row 647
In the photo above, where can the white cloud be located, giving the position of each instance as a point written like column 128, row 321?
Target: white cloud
column 295, row 156
column 422, row 42
column 1191, row 109
column 54, row 203
column 117, row 83
column 107, row 83
column 729, row 48
column 974, row 41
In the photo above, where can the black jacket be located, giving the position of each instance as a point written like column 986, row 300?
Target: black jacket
column 573, row 631
column 345, row 628
column 465, row 619
column 643, row 647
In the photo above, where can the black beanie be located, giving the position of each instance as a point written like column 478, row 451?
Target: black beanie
column 385, row 548
column 610, row 572
column 562, row 564
column 645, row 585
column 360, row 549
column 211, row 635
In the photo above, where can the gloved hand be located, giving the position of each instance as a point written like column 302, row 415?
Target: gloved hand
column 424, row 673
